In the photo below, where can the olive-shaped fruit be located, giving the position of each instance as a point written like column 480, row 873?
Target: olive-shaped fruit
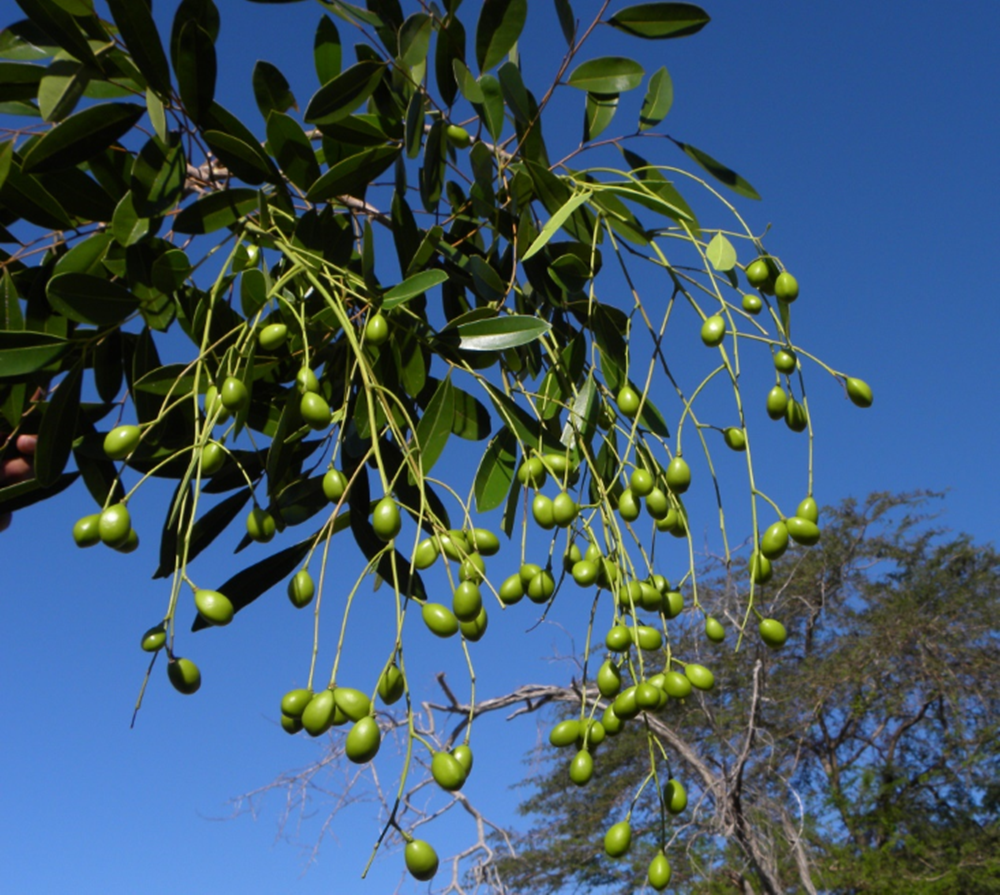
column 472, row 568
column 859, row 391
column 564, row 510
column 610, row 721
column 386, row 520
column 301, row 589
column 774, row 541
column 657, row 504
column 585, row 572
column 315, row 411
column 758, row 273
column 154, row 639
column 213, row 405
column 609, row 679
column 272, row 336
column 334, row 485
column 463, row 755
column 650, row 598
column 215, row 608
column 291, row 725
column 421, row 860
column 752, row 304
column 641, row 482
column 121, row 441
column 363, row 741
column 306, row 380
column 629, row 595
column 466, row 601
column 760, row 568
column 376, row 330
column 647, row 695
column 131, row 543
column 777, row 402
column 713, row 331
column 511, row 590
column 618, row 639
column 628, row 401
column 772, row 632
column 439, row 619
column 234, row 394
column 447, row 772
column 565, row 733
column 628, row 506
column 675, row 796
column 678, row 475
column 802, row 531
column 353, row 703
column 317, row 716
column 699, row 676
column 659, row 872
column 571, row 557
column 735, row 438
column 532, row 472
column 676, row 685
column 541, row 510
column 455, row 545
column 260, row 525
column 714, row 630
column 484, row 541
column 391, row 685
column 457, row 136
column 618, row 839
column 426, row 553
column 86, row 531
column 786, row 287
column 557, row 464
column 294, row 702
column 593, row 734
column 114, row 525
column 541, row 587
column 184, row 675
column 213, row 455
column 648, row 638
column 660, row 583
column 808, row 509
column 528, row 571
column 796, row 417
column 673, row 603
column 581, row 768
column 784, row 361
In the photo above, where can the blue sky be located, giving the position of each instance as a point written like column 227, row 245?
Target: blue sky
column 870, row 131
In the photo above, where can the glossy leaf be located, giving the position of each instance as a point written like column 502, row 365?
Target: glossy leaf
column 204, row 531
column 657, row 21
column 472, row 420
column 491, row 110
column 127, row 225
column 514, row 92
column 24, row 494
column 271, row 89
column 720, row 172
column 25, row 196
column 435, row 425
column 216, row 210
column 59, row 25
column 327, row 50
column 496, row 471
column 27, row 351
column 61, row 88
column 415, row 38
column 413, row 286
column 26, row 41
column 555, row 223
column 158, row 175
column 352, row 175
column 609, row 74
column 81, row 136
column 195, row 68
column 137, row 28
column 659, row 98
column 499, row 333
column 292, row 150
column 720, row 253
column 567, row 21
column 343, row 94
column 467, row 84
column 499, row 26
column 55, row 433
column 600, row 109
column 90, row 299
column 240, row 158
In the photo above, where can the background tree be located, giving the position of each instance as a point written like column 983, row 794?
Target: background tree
column 494, row 328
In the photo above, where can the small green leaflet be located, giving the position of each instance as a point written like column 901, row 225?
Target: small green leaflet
column 499, row 333
column 721, row 254
column 555, row 222
column 413, row 286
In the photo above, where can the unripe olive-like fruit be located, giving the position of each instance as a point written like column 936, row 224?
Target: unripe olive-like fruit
column 472, row 568
column 760, row 568
column 752, row 304
column 426, row 553
column 272, row 336
column 581, row 768
column 808, row 509
column 628, row 401
column 466, row 601
column 511, row 590
column 557, row 464
column 585, row 572
column 363, row 741
column 463, row 755
column 802, row 531
column 260, row 525
column 714, row 630
column 391, row 685
column 213, row 405
column 676, row 685
column 784, row 361
column 184, row 675
column 385, row 519
column 735, row 438
column 678, row 475
column 454, row 545
column 484, row 541
column 699, row 676
column 675, row 796
column 673, row 603
column 641, row 482
column 565, row 733
column 214, row 607
column 618, row 839
column 317, row 716
column 772, row 632
column 786, row 287
column 542, row 512
column 301, row 589
column 657, row 504
column 114, row 525
column 474, row 630
column 713, row 331
column 618, row 639
column 376, row 330
column 421, row 860
column 334, row 485
column 234, row 394
column 291, row 725
column 650, row 598
column 859, row 392
column 777, row 402
column 294, row 702
column 648, row 638
column 131, row 543
column 532, row 472
column 213, row 455
column 610, row 721
column 457, row 136
column 439, row 619
column 796, row 417
column 121, row 441
column 659, row 872
column 647, row 696
column 758, row 273
column 154, row 638
column 86, row 531
column 628, row 506
column 541, row 587
column 306, row 380
column 353, row 703
column 315, row 411
column 609, row 679
column 774, row 541
column 564, row 510
column 447, row 772
column 528, row 571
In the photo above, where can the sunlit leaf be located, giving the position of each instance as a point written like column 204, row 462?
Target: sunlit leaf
column 498, row 333
column 720, row 253
column 659, row 98
column 81, row 136
column 657, row 21
column 413, row 286
column 497, row 30
column 609, row 74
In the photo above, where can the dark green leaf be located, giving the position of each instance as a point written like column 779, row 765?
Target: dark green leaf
column 253, row 291
column 656, row 21
column 79, row 194
column 24, row 494
column 242, row 159
column 216, row 210
column 158, row 176
column 433, row 169
column 435, row 425
column 567, row 21
column 353, row 175
column 195, row 69
column 467, row 83
column 346, row 92
column 415, row 38
column 498, row 29
column 135, row 23
column 86, row 256
column 25, row 196
column 127, row 225
column 600, row 110
column 499, row 333
column 415, row 123
column 413, row 286
column 61, row 27
column 496, row 471
column 659, row 98
column 472, row 419
column 292, row 149
column 486, row 280
column 491, row 110
column 27, row 352
column 90, row 299
column 55, row 433
column 81, row 136
column 327, row 50
column 60, row 90
column 271, row 89
column 11, row 317
column 512, row 88
column 720, row 172
column 609, row 74
column 450, row 49
column 25, row 41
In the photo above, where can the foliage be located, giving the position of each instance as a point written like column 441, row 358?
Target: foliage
column 404, row 261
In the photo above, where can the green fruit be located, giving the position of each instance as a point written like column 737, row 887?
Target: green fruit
column 649, row 597
column 213, row 405
column 673, row 603
column 628, row 506
column 774, row 541
column 784, row 361
column 334, row 485
column 735, row 438
column 758, row 273
column 541, row 510
column 353, row 703
column 484, row 541
column 475, row 629
column 363, row 741
column 660, row 583
column 713, row 331
column 291, row 725
column 630, row 595
column 213, row 455
column 628, row 402
column 260, row 525
column 467, row 601
column 777, row 401
column 294, row 702
column 318, row 715
column 306, row 381
column 795, row 416
column 618, row 639
column 154, row 639
column 860, row 392
column 808, row 509
column 457, row 136
column 121, row 441
column 463, row 755
column 786, row 287
column 541, row 587
column 439, row 619
column 752, row 304
column 611, row 723
column 114, row 525
column 131, row 543
column 557, row 464
column 528, row 571
column 315, row 411
column 301, row 589
column 678, row 475
column 714, row 630
column 657, row 504
column 391, row 685
column 618, row 839
column 532, row 472
column 472, row 568
column 272, row 336
column 648, row 638
column 421, row 860
column 659, row 872
column 564, row 510
column 647, row 695
column 773, row 633
column 386, row 520
column 641, row 482
column 760, row 568
column 581, row 768
column 675, row 796
column 86, row 531
column 609, row 679
column 594, row 734
column 454, row 545
column 447, row 772
column 676, row 685
column 565, row 733
column 585, row 572
column 426, row 553
column 571, row 557
column 802, row 531
column 234, row 394
column 511, row 590
column 184, row 675
column 699, row 676
column 376, row 330
column 214, row 607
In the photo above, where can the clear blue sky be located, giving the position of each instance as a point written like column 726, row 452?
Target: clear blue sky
column 870, row 130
